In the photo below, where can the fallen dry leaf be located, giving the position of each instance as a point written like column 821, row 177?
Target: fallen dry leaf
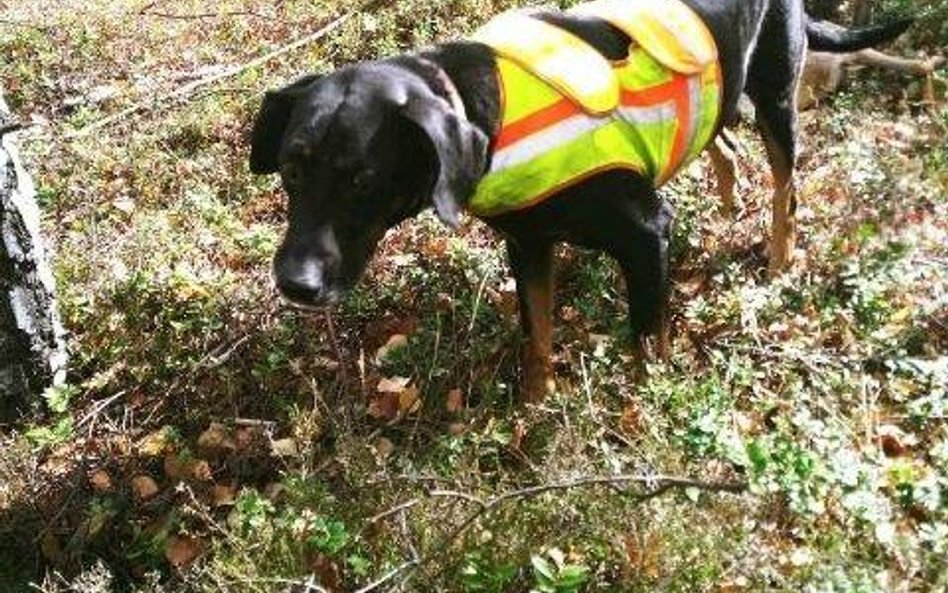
column 393, row 384
column 631, row 421
column 215, row 440
column 408, row 401
column 455, row 401
column 394, row 343
column 182, row 550
column 178, row 467
column 200, row 470
column 154, row 444
column 328, row 573
column 144, row 487
column 100, row 480
column 244, row 437
column 284, row 448
column 384, row 447
column 223, row 494
column 383, row 406
column 519, row 431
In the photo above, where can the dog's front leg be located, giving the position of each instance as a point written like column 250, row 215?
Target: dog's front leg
column 644, row 261
column 532, row 265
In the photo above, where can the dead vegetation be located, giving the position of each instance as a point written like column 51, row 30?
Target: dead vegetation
column 212, row 440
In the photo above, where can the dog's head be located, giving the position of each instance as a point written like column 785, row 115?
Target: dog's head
column 358, row 151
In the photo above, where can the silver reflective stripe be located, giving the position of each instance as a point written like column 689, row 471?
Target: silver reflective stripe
column 572, row 128
column 546, row 140
column 648, row 115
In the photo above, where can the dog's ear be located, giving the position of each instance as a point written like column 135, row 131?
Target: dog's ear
column 460, row 148
column 271, row 122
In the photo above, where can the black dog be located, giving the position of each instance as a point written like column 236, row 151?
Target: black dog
column 374, row 143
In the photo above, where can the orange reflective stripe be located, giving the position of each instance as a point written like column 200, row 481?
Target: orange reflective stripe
column 683, row 107
column 533, row 123
column 675, row 90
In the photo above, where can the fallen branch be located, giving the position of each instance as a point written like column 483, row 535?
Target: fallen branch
column 226, row 73
column 659, row 484
column 204, row 15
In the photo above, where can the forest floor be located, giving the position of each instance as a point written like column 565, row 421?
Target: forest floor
column 211, row 438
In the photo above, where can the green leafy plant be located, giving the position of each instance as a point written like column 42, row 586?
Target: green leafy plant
column 480, row 574
column 552, row 574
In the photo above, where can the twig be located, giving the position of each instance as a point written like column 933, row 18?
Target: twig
column 199, row 509
column 593, row 414
column 406, row 533
column 388, row 576
column 418, row 500
column 98, row 407
column 388, row 513
column 204, row 15
column 254, row 422
column 477, row 302
column 462, row 495
column 222, row 353
column 226, row 73
column 348, row 412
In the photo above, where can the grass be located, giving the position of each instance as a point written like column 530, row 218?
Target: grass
column 276, row 459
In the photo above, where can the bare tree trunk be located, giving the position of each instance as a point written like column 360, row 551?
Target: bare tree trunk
column 32, row 348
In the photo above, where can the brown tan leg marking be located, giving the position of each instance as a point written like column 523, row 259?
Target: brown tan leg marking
column 724, row 162
column 533, row 269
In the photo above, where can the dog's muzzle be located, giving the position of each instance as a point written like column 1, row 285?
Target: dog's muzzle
column 304, row 280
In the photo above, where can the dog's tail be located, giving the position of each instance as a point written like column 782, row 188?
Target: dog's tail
column 826, row 36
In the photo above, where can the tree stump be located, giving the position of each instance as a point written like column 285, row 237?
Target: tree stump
column 32, row 345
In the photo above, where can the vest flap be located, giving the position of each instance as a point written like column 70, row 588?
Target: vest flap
column 557, row 57
column 667, row 29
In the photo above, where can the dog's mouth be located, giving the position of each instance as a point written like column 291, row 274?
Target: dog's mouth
column 308, row 300
column 311, row 305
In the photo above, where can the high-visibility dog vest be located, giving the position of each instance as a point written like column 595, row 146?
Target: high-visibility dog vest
column 569, row 113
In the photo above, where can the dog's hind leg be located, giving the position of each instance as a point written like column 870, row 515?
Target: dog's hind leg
column 532, row 265
column 783, row 218
column 772, row 86
column 724, row 162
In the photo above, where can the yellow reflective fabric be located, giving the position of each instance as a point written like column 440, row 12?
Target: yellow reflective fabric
column 564, row 61
column 668, row 29
column 549, row 140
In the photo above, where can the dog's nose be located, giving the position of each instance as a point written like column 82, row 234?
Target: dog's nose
column 302, row 280
column 300, row 292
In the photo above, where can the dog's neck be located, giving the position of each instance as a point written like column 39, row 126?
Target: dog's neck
column 463, row 72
